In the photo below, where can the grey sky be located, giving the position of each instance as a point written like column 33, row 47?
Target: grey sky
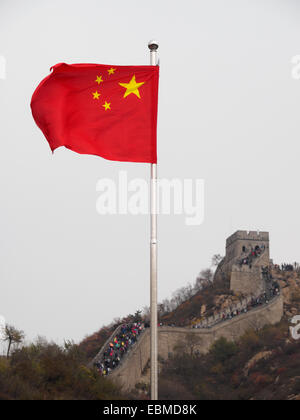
column 228, row 113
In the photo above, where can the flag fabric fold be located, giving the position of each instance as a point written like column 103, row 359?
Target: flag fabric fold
column 103, row 110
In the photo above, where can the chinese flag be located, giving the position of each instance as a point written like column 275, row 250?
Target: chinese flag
column 108, row 111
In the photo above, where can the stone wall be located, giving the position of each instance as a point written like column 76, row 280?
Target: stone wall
column 130, row 371
column 245, row 279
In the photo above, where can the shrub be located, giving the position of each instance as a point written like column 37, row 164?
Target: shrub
column 222, row 350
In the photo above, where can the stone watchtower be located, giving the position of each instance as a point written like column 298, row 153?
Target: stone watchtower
column 247, row 253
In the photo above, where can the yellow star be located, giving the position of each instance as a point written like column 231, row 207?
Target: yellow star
column 99, row 80
column 132, row 87
column 106, row 106
column 111, row 71
column 96, row 94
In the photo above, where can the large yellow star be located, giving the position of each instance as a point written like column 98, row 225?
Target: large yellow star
column 132, row 87
column 106, row 106
column 99, row 80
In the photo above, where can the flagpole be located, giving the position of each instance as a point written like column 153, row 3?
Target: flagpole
column 153, row 46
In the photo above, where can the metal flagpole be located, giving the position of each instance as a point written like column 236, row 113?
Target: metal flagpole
column 153, row 46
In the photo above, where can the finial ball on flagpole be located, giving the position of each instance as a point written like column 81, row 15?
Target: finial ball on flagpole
column 153, row 45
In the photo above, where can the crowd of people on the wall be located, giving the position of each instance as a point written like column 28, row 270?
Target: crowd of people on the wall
column 118, row 347
column 263, row 299
column 254, row 253
column 287, row 267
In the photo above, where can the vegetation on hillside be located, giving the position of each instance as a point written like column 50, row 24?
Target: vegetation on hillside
column 46, row 371
column 262, row 365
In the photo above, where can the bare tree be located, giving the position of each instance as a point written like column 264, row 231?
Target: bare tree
column 192, row 342
column 146, row 313
column 137, row 317
column 216, row 259
column 12, row 336
column 207, row 275
column 160, row 310
column 189, row 344
column 177, row 297
column 167, row 305
column 200, row 284
column 189, row 291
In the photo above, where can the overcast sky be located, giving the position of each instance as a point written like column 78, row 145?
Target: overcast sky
column 228, row 114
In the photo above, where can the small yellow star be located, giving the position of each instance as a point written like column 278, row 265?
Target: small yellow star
column 111, row 71
column 99, row 80
column 106, row 105
column 132, row 87
column 96, row 94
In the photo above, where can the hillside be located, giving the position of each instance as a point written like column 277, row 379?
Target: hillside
column 262, row 365
column 203, row 304
column 184, row 368
column 46, row 371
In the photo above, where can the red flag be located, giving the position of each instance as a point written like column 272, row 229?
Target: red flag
column 109, row 111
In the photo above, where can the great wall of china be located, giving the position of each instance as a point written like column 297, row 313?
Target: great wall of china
column 244, row 268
